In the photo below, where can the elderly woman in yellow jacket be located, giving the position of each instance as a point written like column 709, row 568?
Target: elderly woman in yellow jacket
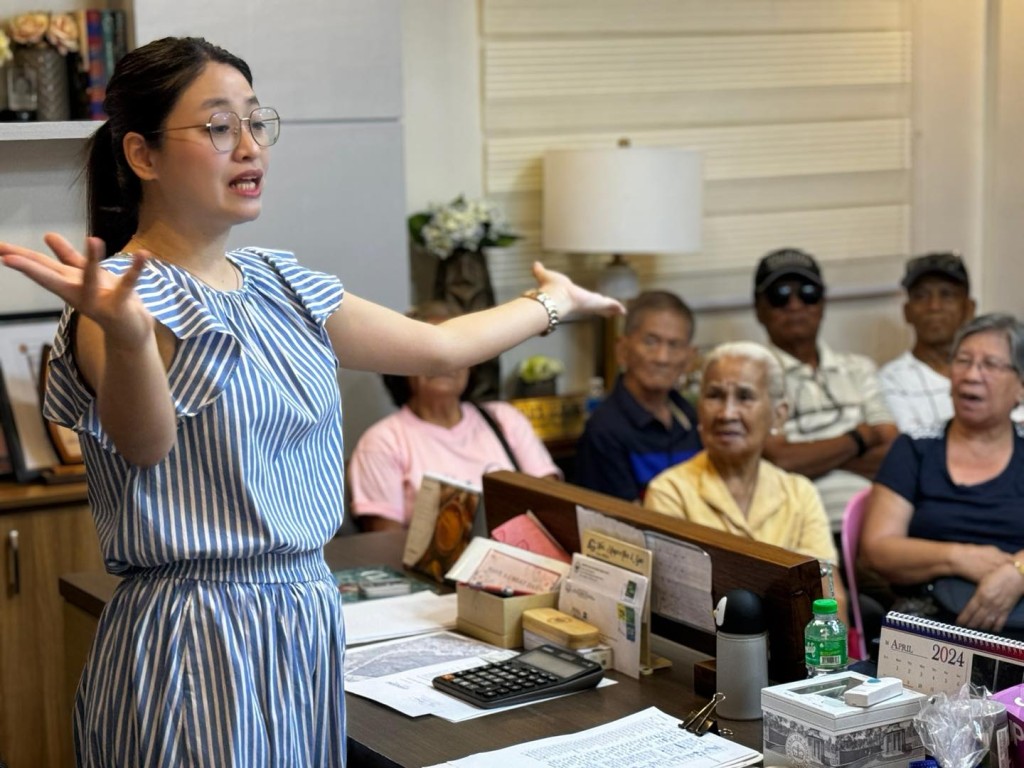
column 728, row 485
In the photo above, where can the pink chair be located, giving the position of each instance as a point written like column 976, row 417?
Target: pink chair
column 853, row 518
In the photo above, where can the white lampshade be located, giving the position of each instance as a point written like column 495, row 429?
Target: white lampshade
column 623, row 200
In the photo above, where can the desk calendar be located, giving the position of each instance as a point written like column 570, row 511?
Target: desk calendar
column 932, row 657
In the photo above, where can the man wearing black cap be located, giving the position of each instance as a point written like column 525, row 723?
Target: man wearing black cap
column 839, row 427
column 916, row 384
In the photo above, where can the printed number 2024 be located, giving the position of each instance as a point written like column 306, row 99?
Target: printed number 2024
column 947, row 655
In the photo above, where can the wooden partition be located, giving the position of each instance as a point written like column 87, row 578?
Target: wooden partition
column 787, row 582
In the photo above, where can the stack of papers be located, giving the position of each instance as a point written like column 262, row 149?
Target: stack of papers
column 399, row 674
column 372, row 620
column 649, row 738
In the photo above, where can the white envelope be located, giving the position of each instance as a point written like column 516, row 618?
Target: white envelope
column 612, row 599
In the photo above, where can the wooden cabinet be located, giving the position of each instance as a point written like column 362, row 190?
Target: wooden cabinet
column 55, row 535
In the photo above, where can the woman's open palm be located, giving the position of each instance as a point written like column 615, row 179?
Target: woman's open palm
column 108, row 300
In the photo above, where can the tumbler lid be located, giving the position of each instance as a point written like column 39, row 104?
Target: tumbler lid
column 740, row 612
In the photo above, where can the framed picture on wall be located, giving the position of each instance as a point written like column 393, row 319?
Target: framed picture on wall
column 23, row 341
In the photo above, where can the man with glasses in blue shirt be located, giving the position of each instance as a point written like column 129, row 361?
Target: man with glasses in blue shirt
column 839, row 427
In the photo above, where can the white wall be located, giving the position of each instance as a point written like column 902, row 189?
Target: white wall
column 1003, row 267
column 441, row 112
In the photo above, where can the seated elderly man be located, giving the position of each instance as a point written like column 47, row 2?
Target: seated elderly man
column 916, row 384
column 839, row 427
column 644, row 425
column 728, row 485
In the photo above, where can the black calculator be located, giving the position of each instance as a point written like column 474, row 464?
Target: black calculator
column 544, row 671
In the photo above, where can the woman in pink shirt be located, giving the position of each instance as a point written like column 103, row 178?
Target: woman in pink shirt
column 436, row 431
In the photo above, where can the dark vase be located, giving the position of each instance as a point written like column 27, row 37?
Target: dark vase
column 53, row 99
column 463, row 280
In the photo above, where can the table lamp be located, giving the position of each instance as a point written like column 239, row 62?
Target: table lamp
column 622, row 200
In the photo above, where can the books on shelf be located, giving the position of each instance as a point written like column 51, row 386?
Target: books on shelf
column 103, row 40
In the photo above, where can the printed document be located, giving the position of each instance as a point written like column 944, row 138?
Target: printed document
column 390, row 617
column 647, row 739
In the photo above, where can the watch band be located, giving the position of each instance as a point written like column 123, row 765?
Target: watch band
column 858, row 438
column 549, row 307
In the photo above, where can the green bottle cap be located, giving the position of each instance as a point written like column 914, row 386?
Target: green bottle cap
column 825, row 605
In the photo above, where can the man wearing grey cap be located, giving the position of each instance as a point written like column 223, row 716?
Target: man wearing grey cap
column 839, row 427
column 916, row 384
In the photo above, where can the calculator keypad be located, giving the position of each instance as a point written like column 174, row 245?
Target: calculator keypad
column 514, row 682
column 496, row 680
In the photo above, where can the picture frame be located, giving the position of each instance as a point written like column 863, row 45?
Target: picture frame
column 23, row 338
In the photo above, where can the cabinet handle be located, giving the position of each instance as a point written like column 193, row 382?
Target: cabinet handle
column 13, row 568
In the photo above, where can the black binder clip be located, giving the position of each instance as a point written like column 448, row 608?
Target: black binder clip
column 702, row 721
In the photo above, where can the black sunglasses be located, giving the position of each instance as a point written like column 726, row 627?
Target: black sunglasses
column 778, row 294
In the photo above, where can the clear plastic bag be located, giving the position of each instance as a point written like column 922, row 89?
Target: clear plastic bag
column 957, row 729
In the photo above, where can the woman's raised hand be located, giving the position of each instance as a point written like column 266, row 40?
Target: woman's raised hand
column 572, row 300
column 108, row 300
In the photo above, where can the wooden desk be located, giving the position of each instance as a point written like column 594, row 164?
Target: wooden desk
column 379, row 736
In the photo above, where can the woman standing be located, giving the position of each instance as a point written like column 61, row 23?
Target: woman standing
column 203, row 386
column 944, row 518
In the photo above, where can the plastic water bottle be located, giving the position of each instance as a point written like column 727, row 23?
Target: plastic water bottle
column 825, row 640
column 595, row 394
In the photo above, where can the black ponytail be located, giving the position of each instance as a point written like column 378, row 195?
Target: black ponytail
column 113, row 191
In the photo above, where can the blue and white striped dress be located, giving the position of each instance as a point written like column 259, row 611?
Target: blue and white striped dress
column 224, row 644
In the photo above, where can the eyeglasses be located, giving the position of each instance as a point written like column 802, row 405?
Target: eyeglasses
column 988, row 367
column 225, row 128
column 777, row 294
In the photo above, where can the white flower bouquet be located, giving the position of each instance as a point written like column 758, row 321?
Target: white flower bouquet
column 460, row 225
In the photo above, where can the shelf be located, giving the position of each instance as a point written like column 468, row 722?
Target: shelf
column 17, row 497
column 69, row 129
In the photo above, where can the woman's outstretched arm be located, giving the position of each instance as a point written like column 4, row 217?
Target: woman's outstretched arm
column 122, row 353
column 367, row 336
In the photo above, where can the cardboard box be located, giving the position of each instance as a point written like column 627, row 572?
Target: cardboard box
column 494, row 619
column 807, row 723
